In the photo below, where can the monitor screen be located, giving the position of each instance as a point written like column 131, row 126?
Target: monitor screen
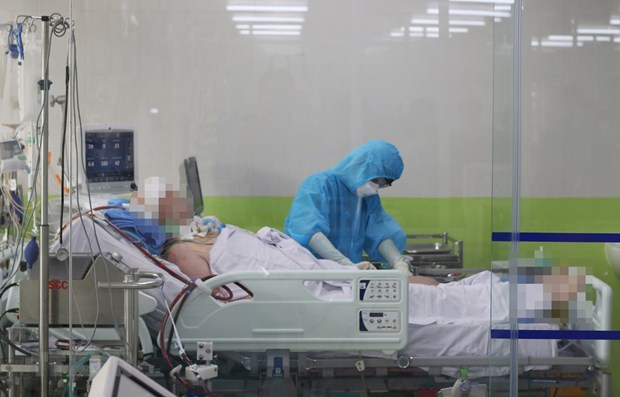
column 9, row 149
column 117, row 378
column 109, row 159
column 193, row 184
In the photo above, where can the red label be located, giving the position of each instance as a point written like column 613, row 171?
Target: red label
column 58, row 284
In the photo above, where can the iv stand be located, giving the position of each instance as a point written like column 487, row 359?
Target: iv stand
column 44, row 230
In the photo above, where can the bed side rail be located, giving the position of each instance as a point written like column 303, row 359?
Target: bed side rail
column 301, row 311
column 601, row 321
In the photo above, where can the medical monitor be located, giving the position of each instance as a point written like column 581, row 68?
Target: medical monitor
column 11, row 158
column 109, row 159
column 118, row 378
column 194, row 189
column 10, row 149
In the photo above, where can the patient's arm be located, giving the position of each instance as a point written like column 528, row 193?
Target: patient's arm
column 191, row 258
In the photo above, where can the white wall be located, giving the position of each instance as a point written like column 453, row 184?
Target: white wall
column 260, row 113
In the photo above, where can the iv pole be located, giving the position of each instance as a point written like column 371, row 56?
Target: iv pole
column 44, row 230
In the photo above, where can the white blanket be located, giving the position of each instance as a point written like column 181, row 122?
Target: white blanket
column 449, row 320
column 465, row 301
column 452, row 319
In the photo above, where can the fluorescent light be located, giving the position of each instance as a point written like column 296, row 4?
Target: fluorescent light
column 534, row 43
column 614, row 21
column 416, row 29
column 267, row 8
column 249, row 18
column 470, row 12
column 277, row 27
column 603, row 38
column 604, row 30
column 585, row 38
column 458, row 30
column 616, row 39
column 154, row 110
column 550, row 43
column 432, row 29
column 397, row 34
column 485, row 1
column 424, row 21
column 463, row 22
column 275, row 33
column 502, row 7
column 560, row 38
column 480, row 13
column 244, row 31
column 245, row 26
column 432, row 35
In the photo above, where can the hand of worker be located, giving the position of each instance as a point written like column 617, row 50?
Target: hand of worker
column 403, row 266
column 365, row 266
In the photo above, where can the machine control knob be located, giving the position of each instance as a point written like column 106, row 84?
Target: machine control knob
column 403, row 362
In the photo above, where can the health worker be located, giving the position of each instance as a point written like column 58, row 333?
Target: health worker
column 338, row 215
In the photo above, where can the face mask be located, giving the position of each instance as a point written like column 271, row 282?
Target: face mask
column 367, row 189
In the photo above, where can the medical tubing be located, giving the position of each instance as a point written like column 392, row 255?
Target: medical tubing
column 6, row 338
column 169, row 271
column 96, row 322
column 157, row 262
column 62, row 148
column 6, row 288
column 60, row 27
column 70, row 102
column 173, row 327
column 166, row 347
column 182, row 296
column 177, row 304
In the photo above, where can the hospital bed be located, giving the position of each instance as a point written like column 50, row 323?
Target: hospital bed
column 298, row 341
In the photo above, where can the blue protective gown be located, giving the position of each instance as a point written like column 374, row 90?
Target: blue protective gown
column 327, row 202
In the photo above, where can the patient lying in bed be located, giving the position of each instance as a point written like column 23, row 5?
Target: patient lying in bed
column 481, row 297
column 464, row 309
column 158, row 211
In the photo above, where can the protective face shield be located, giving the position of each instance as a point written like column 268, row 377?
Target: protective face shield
column 368, row 189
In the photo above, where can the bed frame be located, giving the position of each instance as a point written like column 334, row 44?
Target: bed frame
column 295, row 350
column 250, row 353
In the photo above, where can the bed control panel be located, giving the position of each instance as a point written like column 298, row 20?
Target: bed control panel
column 379, row 320
column 379, row 290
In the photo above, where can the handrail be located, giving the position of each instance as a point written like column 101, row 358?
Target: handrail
column 157, row 279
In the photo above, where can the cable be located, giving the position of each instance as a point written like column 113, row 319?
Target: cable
column 62, row 148
column 177, row 304
column 5, row 337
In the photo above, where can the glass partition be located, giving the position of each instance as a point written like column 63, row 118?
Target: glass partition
column 552, row 221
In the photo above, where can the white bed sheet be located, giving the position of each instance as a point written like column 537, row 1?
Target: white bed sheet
column 434, row 331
